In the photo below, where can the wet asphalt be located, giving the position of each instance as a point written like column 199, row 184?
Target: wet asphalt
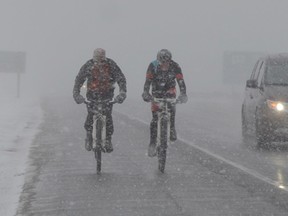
column 62, row 180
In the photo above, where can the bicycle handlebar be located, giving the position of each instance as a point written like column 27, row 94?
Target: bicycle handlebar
column 169, row 100
column 107, row 101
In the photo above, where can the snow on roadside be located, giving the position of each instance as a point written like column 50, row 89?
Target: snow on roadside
column 19, row 122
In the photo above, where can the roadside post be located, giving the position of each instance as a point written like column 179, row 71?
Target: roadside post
column 13, row 62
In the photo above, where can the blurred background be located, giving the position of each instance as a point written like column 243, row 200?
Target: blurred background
column 59, row 36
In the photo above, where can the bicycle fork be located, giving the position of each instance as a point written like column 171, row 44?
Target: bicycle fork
column 159, row 129
column 99, row 141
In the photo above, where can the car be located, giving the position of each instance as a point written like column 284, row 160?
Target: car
column 265, row 105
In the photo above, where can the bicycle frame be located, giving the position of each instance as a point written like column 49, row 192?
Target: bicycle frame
column 97, row 108
column 164, row 113
column 98, row 127
column 163, row 129
column 99, row 116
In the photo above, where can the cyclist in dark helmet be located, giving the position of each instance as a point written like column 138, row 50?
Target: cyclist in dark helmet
column 162, row 75
column 101, row 73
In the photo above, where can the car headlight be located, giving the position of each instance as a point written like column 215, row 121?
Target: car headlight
column 276, row 105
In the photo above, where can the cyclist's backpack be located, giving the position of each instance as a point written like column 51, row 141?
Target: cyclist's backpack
column 101, row 78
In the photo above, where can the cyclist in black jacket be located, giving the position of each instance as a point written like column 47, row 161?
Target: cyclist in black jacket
column 162, row 75
column 101, row 74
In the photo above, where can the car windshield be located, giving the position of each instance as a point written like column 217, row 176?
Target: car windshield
column 276, row 75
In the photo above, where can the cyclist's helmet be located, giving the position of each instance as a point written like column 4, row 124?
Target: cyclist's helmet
column 164, row 55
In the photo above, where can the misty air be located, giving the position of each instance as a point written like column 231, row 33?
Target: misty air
column 140, row 108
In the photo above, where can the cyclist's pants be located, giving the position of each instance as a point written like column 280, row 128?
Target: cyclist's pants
column 109, row 121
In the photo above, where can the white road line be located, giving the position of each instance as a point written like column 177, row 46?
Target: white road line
column 238, row 166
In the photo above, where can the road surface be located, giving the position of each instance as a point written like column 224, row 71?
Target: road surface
column 62, row 179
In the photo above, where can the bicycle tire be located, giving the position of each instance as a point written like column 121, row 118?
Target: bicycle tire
column 163, row 145
column 98, row 156
column 98, row 149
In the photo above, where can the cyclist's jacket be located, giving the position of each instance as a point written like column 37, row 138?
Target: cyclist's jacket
column 100, row 79
column 163, row 82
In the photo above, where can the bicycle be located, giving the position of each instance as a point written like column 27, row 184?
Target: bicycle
column 163, row 129
column 97, row 107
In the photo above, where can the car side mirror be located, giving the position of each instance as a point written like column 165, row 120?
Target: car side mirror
column 251, row 83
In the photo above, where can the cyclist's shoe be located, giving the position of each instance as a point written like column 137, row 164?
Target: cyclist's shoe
column 173, row 135
column 108, row 147
column 88, row 141
column 152, row 150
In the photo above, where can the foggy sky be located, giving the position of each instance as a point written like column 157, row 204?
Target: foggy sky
column 59, row 36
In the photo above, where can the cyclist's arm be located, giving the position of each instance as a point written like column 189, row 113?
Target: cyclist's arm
column 149, row 78
column 119, row 77
column 180, row 80
column 79, row 80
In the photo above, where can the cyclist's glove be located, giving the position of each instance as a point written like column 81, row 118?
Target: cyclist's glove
column 147, row 97
column 120, row 98
column 79, row 99
column 182, row 98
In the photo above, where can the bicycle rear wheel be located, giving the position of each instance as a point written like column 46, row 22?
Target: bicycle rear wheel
column 163, row 145
column 98, row 149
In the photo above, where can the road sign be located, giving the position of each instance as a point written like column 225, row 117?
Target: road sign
column 12, row 62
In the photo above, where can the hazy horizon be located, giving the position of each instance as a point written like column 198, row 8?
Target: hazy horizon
column 60, row 36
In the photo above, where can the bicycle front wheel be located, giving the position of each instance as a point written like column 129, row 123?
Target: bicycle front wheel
column 98, row 159
column 98, row 149
column 163, row 145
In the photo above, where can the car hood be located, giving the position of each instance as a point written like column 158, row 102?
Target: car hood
column 277, row 93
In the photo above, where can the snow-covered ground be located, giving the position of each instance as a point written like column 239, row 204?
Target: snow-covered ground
column 19, row 122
